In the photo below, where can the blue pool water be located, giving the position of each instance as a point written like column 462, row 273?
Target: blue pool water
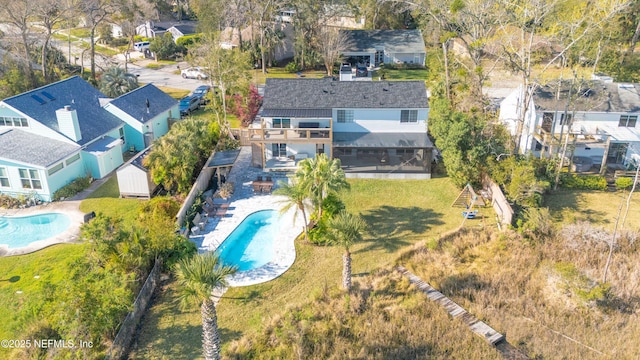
column 250, row 244
column 21, row 231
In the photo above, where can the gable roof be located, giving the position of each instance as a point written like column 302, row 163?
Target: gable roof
column 185, row 28
column 392, row 41
column 41, row 104
column 590, row 96
column 28, row 148
column 135, row 102
column 312, row 95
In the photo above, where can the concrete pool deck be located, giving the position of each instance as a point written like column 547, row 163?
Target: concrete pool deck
column 70, row 235
column 245, row 202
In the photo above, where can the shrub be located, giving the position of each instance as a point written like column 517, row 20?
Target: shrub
column 623, row 183
column 73, row 188
column 292, row 67
column 579, row 182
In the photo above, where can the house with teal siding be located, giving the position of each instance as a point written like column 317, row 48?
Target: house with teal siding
column 147, row 112
column 59, row 132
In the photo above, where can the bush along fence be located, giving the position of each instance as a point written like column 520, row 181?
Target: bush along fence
column 123, row 340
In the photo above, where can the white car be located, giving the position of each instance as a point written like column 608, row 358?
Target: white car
column 194, row 73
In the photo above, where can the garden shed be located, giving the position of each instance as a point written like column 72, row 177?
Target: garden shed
column 134, row 179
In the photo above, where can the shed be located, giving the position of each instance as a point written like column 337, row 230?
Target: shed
column 134, row 179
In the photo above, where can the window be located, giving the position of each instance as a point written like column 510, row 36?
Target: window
column 30, row 179
column 72, row 159
column 13, row 121
column 121, row 131
column 279, row 150
column 55, row 169
column 345, row 116
column 282, row 123
column 4, row 177
column 628, row 121
column 407, row 116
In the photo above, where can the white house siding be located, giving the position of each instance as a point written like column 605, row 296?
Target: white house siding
column 134, row 182
column 404, row 58
column 381, row 120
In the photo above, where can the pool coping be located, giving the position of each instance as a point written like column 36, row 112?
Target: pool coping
column 218, row 228
column 70, row 235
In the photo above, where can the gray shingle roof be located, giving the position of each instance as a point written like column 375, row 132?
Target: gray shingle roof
column 25, row 147
column 393, row 41
column 134, row 102
column 41, row 104
column 591, row 96
column 327, row 93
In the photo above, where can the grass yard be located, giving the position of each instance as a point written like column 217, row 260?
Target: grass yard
column 402, row 74
column 597, row 207
column 106, row 200
column 259, row 78
column 400, row 213
column 24, row 282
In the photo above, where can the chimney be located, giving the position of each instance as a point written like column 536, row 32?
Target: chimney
column 68, row 123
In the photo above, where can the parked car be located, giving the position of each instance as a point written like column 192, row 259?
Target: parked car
column 361, row 71
column 141, row 46
column 194, row 73
column 202, row 93
column 189, row 104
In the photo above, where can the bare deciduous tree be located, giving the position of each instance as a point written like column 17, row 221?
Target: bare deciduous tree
column 331, row 43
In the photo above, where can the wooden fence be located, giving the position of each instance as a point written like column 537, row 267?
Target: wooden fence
column 498, row 202
column 123, row 340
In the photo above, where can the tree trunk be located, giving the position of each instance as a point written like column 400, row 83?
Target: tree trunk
column 346, row 270
column 92, row 54
column 210, row 335
column 304, row 217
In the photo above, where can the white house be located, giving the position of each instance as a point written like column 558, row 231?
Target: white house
column 375, row 128
column 600, row 116
column 134, row 179
column 373, row 47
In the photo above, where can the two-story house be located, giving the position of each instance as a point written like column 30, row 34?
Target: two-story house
column 375, row 128
column 599, row 117
column 59, row 132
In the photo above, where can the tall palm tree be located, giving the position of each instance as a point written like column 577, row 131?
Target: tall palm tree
column 115, row 82
column 296, row 195
column 197, row 277
column 345, row 229
column 321, row 176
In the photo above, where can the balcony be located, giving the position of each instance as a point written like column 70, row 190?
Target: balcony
column 291, row 135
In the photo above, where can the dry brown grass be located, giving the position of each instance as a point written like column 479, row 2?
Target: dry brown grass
column 544, row 297
column 384, row 317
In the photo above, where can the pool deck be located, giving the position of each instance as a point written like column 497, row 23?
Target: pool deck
column 240, row 205
column 70, row 235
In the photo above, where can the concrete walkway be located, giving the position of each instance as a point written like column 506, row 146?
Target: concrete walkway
column 243, row 203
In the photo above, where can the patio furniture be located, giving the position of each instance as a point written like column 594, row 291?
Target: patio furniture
column 263, row 186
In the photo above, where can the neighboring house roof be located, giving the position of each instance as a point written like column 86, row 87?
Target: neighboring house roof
column 28, row 148
column 138, row 160
column 591, row 96
column 311, row 96
column 41, row 104
column 185, row 28
column 135, row 103
column 392, row 41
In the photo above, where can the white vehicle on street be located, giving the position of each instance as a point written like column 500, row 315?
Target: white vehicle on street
column 194, row 73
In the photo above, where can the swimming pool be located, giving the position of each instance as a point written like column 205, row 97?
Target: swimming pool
column 17, row 232
column 250, row 244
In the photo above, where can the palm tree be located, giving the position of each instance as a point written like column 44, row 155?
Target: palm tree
column 321, row 176
column 197, row 277
column 345, row 229
column 115, row 82
column 296, row 194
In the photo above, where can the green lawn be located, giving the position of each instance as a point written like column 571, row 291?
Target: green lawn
column 106, row 200
column 24, row 280
column 399, row 213
column 598, row 207
column 259, row 78
column 403, row 74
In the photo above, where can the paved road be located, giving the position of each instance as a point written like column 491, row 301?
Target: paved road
column 167, row 76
